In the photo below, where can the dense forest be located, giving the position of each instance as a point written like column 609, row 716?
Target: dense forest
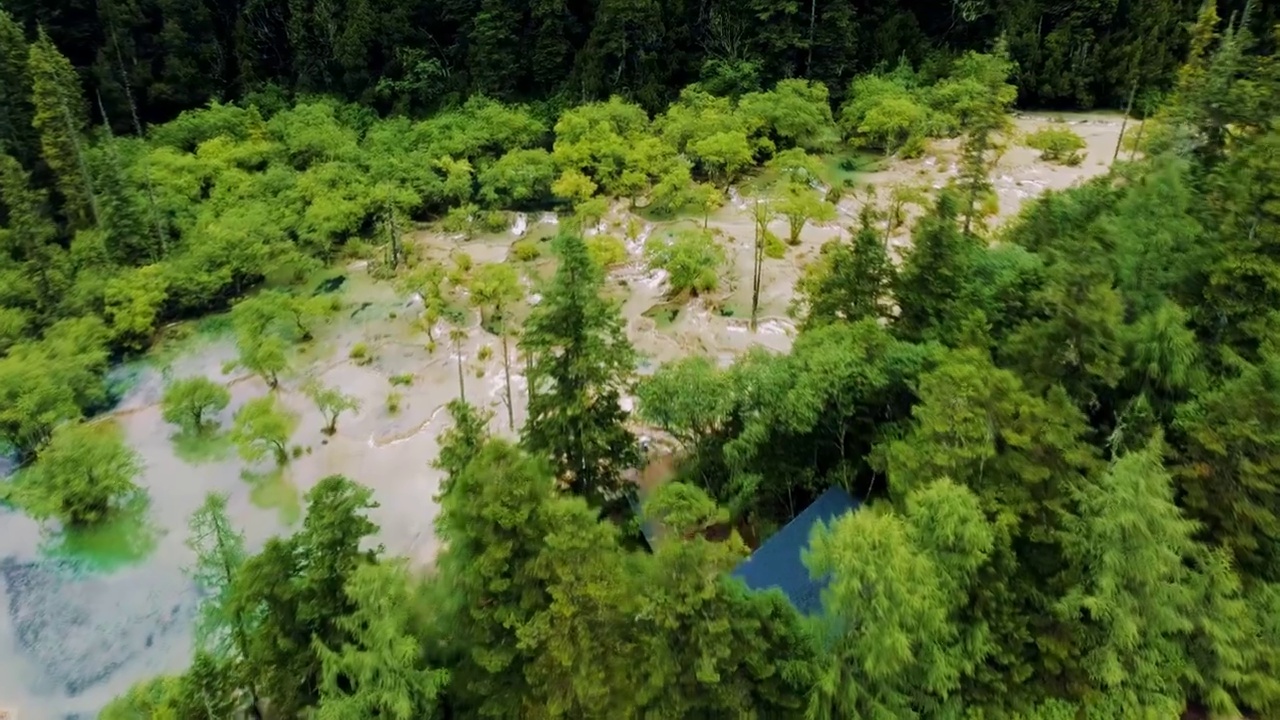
column 1067, row 427
column 165, row 56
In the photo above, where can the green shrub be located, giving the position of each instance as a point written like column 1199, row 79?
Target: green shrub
column 494, row 221
column 606, row 250
column 692, row 260
column 393, row 402
column 360, row 354
column 484, row 353
column 525, row 250
column 402, row 380
column 774, row 247
column 1057, row 144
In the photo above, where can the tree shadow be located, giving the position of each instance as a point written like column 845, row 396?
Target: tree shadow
column 201, row 448
column 126, row 537
column 271, row 490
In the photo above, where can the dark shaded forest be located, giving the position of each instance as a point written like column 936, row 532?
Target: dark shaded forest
column 174, row 55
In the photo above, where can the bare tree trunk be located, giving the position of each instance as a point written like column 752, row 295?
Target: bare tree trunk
column 1137, row 140
column 1128, row 108
column 506, row 373
column 84, row 167
column 813, row 15
column 462, row 386
column 137, row 129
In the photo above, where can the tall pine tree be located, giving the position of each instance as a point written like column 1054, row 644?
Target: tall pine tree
column 61, row 117
column 580, row 362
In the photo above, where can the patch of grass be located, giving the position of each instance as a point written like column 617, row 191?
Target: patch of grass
column 848, row 165
column 484, row 353
column 526, row 250
column 273, row 491
column 201, row 448
column 360, row 354
column 1057, row 144
column 401, row 380
column 394, row 399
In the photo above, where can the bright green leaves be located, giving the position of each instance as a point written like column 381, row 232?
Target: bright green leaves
column 692, row 258
column 133, row 304
column 261, row 427
column 82, row 475
column 894, row 644
column 331, row 402
column 189, row 402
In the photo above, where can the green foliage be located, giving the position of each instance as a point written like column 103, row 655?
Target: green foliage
column 80, row 476
column 848, row 281
column 518, row 178
column 380, row 671
column 894, row 640
column 52, row 380
column 606, row 251
column 692, row 259
column 684, row 509
column 188, row 402
column 133, row 303
column 331, row 402
column 1056, row 144
column 360, row 354
column 579, row 362
column 525, row 250
column 295, row 590
column 393, row 402
column 262, row 427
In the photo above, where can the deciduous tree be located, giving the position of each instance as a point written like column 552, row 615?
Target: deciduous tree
column 331, row 402
column 260, row 427
column 188, row 402
column 80, row 476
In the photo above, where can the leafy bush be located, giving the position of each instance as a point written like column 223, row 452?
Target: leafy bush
column 360, row 354
column 1057, row 144
column 402, row 380
column 606, row 250
column 692, row 260
column 526, row 250
column 393, row 402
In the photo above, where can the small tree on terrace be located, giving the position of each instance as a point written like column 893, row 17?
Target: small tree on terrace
column 188, row 403
column 80, row 476
column 261, row 426
column 331, row 403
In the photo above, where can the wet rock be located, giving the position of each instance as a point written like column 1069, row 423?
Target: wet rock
column 81, row 628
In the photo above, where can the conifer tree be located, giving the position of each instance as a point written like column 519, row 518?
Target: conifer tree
column 222, row 630
column 16, row 132
column 295, row 589
column 380, row 671
column 30, row 236
column 493, row 521
column 1135, row 599
column 580, row 362
column 61, row 117
column 931, row 288
column 852, row 281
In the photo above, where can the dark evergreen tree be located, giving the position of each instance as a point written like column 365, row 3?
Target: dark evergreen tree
column 580, row 362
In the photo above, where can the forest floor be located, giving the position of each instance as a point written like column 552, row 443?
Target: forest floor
column 73, row 638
